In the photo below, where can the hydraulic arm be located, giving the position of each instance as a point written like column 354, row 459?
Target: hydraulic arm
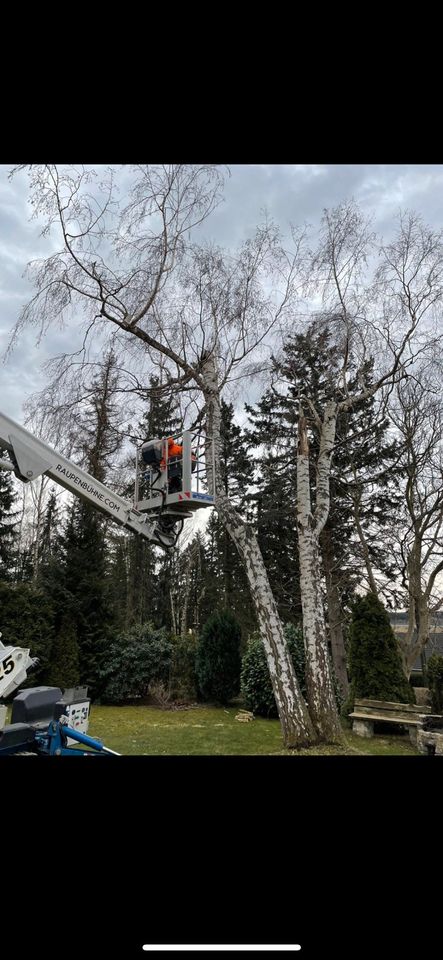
column 30, row 458
column 170, row 468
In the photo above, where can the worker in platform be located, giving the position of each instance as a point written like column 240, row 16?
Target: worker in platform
column 175, row 472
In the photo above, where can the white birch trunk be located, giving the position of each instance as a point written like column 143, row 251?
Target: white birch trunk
column 320, row 691
column 294, row 716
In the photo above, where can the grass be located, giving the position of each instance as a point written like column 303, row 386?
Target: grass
column 149, row 731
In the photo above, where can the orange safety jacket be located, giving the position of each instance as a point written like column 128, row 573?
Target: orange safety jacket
column 174, row 450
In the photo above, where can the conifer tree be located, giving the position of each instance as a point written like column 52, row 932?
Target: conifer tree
column 362, row 450
column 271, row 438
column 64, row 670
column 84, row 544
column 27, row 620
column 374, row 660
column 227, row 586
column 218, row 661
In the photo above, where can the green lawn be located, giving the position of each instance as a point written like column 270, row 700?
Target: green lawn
column 150, row 731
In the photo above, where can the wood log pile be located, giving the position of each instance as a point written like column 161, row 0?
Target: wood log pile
column 244, row 716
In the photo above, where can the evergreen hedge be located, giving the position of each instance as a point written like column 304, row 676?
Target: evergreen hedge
column 375, row 668
column 435, row 680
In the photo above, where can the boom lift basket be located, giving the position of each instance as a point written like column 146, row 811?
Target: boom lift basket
column 171, row 474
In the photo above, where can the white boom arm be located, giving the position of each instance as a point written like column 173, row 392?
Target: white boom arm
column 14, row 664
column 30, row 458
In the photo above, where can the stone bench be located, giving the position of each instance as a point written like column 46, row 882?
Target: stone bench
column 368, row 712
column 430, row 735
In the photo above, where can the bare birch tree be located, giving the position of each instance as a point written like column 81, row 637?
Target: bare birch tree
column 204, row 314
column 388, row 314
column 417, row 414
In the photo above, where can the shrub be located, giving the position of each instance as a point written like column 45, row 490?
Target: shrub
column 160, row 693
column 435, row 679
column 133, row 661
column 218, row 661
column 256, row 686
column 374, row 660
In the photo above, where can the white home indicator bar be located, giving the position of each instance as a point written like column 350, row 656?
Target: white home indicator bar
column 188, row 947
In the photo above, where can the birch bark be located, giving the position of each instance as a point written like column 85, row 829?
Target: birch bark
column 320, row 691
column 294, row 716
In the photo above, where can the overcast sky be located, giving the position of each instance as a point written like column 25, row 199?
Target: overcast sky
column 294, row 193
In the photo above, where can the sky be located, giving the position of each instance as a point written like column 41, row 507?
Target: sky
column 291, row 193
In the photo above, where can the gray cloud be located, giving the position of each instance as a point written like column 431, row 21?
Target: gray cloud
column 294, row 193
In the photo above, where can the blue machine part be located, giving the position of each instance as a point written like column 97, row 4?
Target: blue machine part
column 53, row 742
column 45, row 723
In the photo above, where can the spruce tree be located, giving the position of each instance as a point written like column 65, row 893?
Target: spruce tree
column 226, row 582
column 27, row 620
column 84, row 544
column 218, row 661
column 271, row 438
column 374, row 660
column 50, row 530
column 64, row 670
column 118, row 544
column 85, row 567
column 309, row 366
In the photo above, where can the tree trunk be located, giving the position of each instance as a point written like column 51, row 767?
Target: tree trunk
column 335, row 612
column 356, row 499
column 173, row 617
column 321, row 698
column 38, row 514
column 294, row 716
column 411, row 650
column 418, row 613
column 190, row 561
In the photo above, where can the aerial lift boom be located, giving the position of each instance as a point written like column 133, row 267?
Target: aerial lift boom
column 31, row 457
column 171, row 500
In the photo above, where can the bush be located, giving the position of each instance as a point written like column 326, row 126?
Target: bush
column 160, row 693
column 256, row 686
column 133, row 661
column 374, row 660
column 435, row 679
column 218, row 661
